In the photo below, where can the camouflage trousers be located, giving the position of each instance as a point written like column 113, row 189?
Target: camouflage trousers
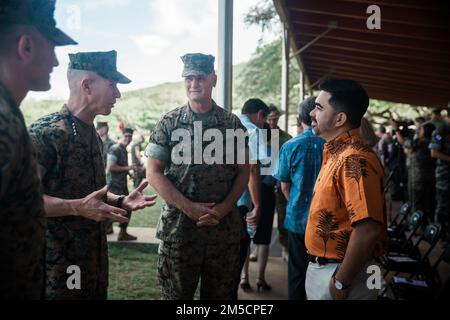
column 280, row 206
column 442, row 208
column 182, row 265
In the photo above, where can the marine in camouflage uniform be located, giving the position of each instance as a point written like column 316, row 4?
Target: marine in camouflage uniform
column 139, row 173
column 441, row 143
column 71, row 166
column 22, row 222
column 421, row 170
column 189, row 253
column 22, row 216
column 106, row 140
column 280, row 200
column 107, row 144
column 117, row 180
column 69, row 154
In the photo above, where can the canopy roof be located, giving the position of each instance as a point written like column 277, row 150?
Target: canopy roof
column 406, row 61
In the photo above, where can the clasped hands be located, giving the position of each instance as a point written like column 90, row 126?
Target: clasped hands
column 206, row 214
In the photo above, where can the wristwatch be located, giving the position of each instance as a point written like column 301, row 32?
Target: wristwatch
column 339, row 285
column 120, row 201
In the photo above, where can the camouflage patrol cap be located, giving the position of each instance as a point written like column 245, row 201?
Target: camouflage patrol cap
column 128, row 132
column 197, row 64
column 38, row 13
column 102, row 63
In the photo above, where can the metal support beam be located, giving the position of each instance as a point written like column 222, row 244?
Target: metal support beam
column 285, row 76
column 331, row 25
column 301, row 93
column 225, row 54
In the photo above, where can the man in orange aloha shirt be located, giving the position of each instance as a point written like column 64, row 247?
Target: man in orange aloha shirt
column 347, row 220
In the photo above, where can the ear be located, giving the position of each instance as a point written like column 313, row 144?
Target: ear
column 214, row 80
column 341, row 119
column 26, row 48
column 86, row 86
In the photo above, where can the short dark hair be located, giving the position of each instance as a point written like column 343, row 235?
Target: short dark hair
column 428, row 129
column 347, row 96
column 304, row 109
column 254, row 105
column 420, row 119
column 11, row 33
column 436, row 111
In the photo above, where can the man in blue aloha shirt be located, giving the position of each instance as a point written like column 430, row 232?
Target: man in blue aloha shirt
column 299, row 165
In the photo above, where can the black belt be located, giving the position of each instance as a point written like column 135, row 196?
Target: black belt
column 322, row 260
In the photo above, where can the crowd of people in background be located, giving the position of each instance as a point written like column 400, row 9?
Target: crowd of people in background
column 415, row 154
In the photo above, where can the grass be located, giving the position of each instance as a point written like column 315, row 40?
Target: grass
column 132, row 267
column 132, row 272
column 148, row 217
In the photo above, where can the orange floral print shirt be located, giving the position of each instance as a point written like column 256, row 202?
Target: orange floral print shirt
column 349, row 188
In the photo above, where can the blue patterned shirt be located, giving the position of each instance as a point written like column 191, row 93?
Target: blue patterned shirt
column 299, row 164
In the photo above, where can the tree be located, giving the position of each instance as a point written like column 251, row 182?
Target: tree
column 264, row 15
column 327, row 227
column 356, row 168
column 381, row 112
column 342, row 239
column 351, row 211
column 261, row 77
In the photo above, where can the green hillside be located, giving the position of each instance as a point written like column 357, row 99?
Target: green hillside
column 140, row 109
